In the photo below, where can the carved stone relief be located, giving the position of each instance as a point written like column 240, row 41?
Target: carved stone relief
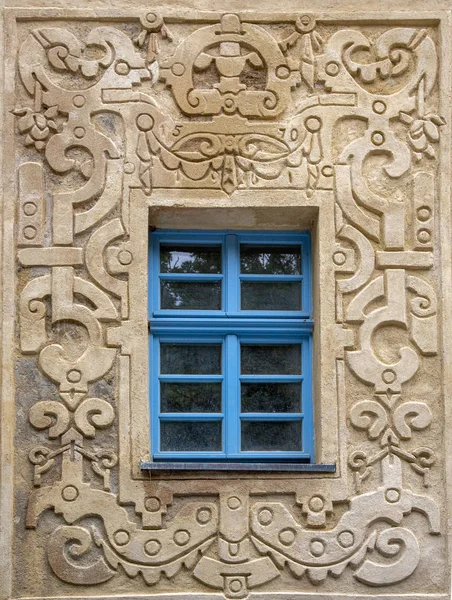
column 107, row 113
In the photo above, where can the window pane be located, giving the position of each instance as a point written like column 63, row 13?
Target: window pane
column 262, row 435
column 190, row 397
column 284, row 359
column 190, row 359
column 271, row 397
column 191, row 295
column 190, row 436
column 270, row 295
column 190, row 259
column 275, row 260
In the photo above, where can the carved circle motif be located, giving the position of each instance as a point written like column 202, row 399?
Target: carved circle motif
column 235, row 585
column 125, row 257
column 327, row 171
column 152, row 547
column 378, row 138
column 316, row 503
column 204, row 515
column 424, row 236
column 317, row 547
column 234, row 503
column 79, row 132
column 423, row 213
column 346, row 539
column 339, row 258
column 79, row 100
column 74, row 376
column 287, row 536
column 229, row 103
column 129, row 168
column 389, row 376
column 313, row 124
column 121, row 537
column 265, row 516
column 30, row 232
column 305, row 24
column 181, row 537
column 152, row 504
column 70, row 493
column 392, row 495
column 332, row 68
column 178, row 69
column 122, row 68
column 145, row 122
column 282, row 72
column 30, row 208
column 379, row 107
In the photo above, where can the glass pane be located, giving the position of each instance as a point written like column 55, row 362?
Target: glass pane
column 190, row 397
column 275, row 260
column 190, row 359
column 190, row 259
column 284, row 359
column 191, row 295
column 270, row 295
column 262, row 435
column 190, row 436
column 271, row 397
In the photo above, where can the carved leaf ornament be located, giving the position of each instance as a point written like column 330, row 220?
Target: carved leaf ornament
column 257, row 109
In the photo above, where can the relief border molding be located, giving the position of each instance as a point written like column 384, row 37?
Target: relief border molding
column 376, row 262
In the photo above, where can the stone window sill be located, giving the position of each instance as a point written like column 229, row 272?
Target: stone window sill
column 238, row 466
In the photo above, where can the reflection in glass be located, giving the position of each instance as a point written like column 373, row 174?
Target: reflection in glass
column 190, row 436
column 190, row 359
column 272, row 260
column 190, row 259
column 274, row 295
column 191, row 295
column 190, row 397
column 282, row 359
column 271, row 397
column 258, row 436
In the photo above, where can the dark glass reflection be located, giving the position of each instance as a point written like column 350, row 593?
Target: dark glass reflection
column 284, row 359
column 259, row 436
column 190, row 359
column 270, row 296
column 190, row 259
column 272, row 260
column 190, row 436
column 191, row 295
column 190, row 397
column 271, row 397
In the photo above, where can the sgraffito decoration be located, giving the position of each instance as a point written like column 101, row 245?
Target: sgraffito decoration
column 108, row 112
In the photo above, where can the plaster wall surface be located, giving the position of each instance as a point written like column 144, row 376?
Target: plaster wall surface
column 332, row 117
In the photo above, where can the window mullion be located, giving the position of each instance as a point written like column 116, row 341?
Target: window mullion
column 231, row 266
column 232, row 395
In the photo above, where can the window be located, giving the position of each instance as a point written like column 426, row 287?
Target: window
column 230, row 348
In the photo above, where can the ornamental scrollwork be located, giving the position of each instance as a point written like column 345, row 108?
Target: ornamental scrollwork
column 231, row 105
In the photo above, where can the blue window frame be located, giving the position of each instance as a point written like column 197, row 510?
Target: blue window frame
column 231, row 346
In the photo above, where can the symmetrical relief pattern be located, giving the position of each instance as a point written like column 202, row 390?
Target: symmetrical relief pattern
column 229, row 104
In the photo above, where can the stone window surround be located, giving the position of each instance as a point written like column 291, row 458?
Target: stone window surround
column 289, row 210
column 132, row 394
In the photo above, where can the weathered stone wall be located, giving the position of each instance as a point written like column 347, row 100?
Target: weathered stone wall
column 319, row 117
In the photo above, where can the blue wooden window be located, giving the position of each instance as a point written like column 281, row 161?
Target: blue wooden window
column 231, row 346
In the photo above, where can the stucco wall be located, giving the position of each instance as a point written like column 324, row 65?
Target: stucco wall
column 119, row 116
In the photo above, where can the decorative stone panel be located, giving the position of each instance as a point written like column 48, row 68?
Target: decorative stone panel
column 118, row 119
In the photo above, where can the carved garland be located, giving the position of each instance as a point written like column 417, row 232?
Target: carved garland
column 253, row 134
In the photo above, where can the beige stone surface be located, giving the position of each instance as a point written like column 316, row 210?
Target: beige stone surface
column 332, row 117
